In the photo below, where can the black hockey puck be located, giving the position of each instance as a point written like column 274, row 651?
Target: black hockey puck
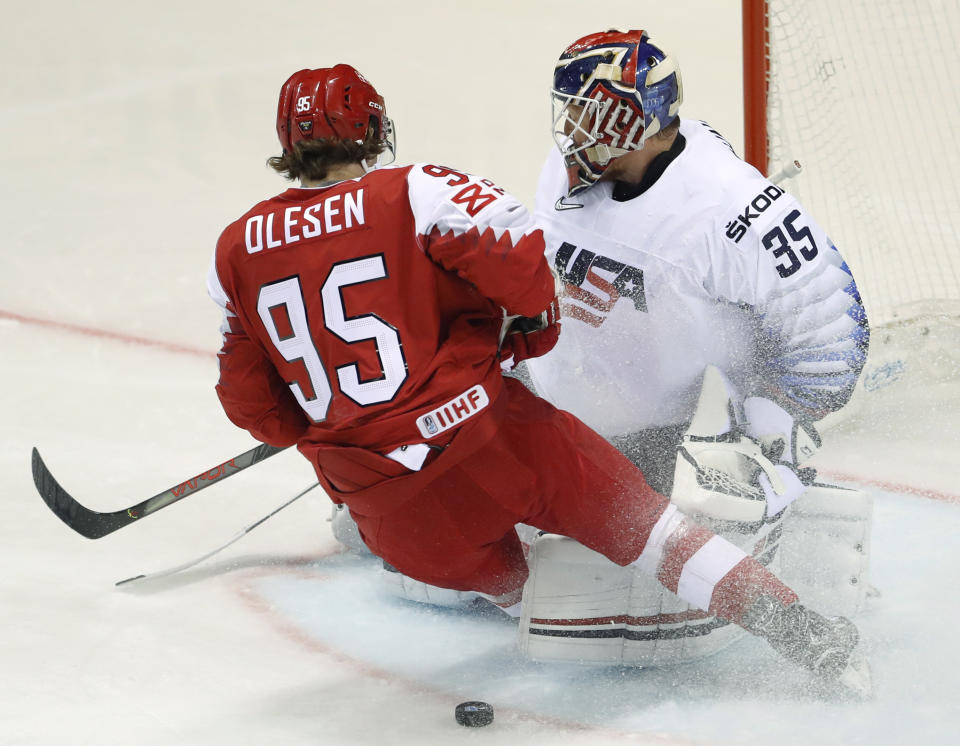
column 474, row 714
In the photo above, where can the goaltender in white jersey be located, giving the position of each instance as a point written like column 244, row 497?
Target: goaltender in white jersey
column 677, row 258
column 676, row 254
column 711, row 263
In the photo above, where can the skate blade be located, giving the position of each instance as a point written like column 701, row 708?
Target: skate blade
column 856, row 679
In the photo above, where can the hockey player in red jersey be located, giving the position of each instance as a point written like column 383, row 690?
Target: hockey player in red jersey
column 363, row 315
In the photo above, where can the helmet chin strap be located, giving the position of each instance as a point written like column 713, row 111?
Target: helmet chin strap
column 602, row 154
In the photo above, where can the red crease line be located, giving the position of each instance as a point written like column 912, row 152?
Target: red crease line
column 106, row 334
column 196, row 352
column 893, row 486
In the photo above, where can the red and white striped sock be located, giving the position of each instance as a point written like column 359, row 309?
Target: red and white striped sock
column 706, row 570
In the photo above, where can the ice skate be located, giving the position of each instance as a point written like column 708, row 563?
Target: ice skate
column 827, row 646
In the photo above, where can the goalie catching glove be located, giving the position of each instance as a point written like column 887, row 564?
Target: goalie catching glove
column 783, row 439
column 729, row 472
column 529, row 336
column 786, row 442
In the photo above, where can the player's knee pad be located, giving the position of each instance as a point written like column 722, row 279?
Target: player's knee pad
column 825, row 550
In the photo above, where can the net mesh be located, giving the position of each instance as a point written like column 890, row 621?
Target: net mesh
column 862, row 92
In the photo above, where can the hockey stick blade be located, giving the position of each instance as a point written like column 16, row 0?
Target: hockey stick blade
column 95, row 525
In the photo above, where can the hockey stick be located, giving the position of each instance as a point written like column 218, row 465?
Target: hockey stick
column 239, row 535
column 94, row 525
column 508, row 319
column 788, row 171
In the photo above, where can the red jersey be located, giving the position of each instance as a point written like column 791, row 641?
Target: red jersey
column 368, row 312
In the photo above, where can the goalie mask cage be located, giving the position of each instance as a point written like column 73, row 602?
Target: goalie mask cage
column 863, row 93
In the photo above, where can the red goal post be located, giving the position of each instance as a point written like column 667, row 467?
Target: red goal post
column 864, row 94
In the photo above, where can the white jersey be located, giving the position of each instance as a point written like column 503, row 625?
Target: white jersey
column 712, row 264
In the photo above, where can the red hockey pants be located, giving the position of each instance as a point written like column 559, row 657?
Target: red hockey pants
column 524, row 461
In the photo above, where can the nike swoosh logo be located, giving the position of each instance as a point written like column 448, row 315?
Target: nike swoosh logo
column 561, row 205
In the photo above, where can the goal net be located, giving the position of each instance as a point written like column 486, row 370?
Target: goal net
column 863, row 93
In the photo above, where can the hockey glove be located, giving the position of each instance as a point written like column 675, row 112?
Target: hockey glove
column 530, row 336
column 786, row 442
column 730, row 480
column 723, row 471
column 783, row 438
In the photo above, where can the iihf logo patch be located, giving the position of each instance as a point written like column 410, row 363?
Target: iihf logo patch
column 454, row 412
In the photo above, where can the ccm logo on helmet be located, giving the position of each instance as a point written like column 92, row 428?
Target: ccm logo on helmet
column 303, row 103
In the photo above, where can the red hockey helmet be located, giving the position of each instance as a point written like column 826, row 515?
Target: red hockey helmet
column 331, row 102
column 611, row 91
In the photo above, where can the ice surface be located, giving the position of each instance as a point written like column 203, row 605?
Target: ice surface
column 131, row 134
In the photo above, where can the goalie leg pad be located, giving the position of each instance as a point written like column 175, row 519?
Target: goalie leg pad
column 406, row 588
column 825, row 550
column 393, row 582
column 580, row 607
column 400, row 586
column 573, row 604
column 345, row 530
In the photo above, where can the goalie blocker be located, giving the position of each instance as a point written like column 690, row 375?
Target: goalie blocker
column 579, row 606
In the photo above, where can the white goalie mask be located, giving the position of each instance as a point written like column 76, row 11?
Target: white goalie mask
column 611, row 91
